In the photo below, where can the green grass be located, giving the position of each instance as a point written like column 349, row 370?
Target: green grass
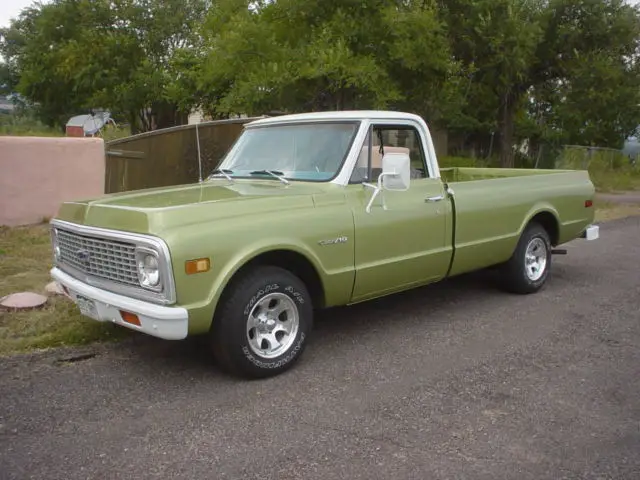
column 615, row 181
column 29, row 131
column 26, row 126
column 110, row 132
column 25, row 261
column 609, row 170
column 445, row 162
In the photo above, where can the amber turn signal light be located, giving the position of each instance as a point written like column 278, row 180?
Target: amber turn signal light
column 199, row 265
column 130, row 318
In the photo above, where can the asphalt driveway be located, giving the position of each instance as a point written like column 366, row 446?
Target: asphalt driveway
column 454, row 381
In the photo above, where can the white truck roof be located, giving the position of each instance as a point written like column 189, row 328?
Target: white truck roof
column 337, row 115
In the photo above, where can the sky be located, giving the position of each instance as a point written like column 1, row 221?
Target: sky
column 11, row 8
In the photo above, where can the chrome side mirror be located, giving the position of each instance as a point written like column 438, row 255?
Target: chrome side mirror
column 396, row 171
column 395, row 176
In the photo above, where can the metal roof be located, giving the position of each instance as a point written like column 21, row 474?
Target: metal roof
column 338, row 115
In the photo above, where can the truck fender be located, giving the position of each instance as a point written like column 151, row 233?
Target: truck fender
column 253, row 251
column 547, row 215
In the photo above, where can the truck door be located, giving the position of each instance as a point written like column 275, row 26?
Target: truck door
column 408, row 243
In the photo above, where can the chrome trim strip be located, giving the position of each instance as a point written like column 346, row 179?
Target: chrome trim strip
column 168, row 294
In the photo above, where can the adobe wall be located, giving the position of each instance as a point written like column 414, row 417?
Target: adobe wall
column 39, row 173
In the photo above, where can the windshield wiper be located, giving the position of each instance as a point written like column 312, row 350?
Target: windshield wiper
column 224, row 172
column 274, row 173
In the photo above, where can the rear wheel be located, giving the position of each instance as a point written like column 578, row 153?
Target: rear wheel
column 528, row 268
column 263, row 323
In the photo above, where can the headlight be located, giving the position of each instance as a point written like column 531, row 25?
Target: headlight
column 148, row 270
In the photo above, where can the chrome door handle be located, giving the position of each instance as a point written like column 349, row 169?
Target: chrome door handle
column 437, row 198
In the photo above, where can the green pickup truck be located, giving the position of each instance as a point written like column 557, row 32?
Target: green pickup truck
column 305, row 212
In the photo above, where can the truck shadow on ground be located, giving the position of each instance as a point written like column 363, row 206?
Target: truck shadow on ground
column 427, row 302
column 424, row 306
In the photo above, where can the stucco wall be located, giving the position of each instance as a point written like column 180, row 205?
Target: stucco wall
column 38, row 173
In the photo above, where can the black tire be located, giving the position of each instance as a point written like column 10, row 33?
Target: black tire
column 514, row 274
column 232, row 347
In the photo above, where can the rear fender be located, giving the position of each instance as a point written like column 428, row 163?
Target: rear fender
column 540, row 208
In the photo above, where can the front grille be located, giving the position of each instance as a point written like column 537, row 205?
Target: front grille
column 108, row 259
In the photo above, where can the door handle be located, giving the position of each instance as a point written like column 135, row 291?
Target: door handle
column 437, row 198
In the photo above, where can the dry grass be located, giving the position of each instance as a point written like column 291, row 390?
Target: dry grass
column 612, row 211
column 25, row 261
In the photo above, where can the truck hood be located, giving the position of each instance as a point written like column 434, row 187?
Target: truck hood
column 155, row 210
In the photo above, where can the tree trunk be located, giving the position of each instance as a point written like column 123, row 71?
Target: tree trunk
column 166, row 115
column 507, row 127
column 134, row 123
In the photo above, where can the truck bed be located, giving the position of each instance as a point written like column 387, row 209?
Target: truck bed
column 469, row 174
column 493, row 205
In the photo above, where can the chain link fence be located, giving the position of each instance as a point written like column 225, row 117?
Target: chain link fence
column 580, row 157
column 610, row 169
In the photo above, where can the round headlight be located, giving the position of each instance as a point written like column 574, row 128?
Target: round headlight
column 148, row 271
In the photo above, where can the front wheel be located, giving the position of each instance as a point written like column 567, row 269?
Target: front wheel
column 528, row 268
column 263, row 323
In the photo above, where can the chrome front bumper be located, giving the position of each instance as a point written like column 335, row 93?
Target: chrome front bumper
column 169, row 323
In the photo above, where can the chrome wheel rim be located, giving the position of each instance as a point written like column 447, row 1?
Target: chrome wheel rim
column 272, row 325
column 536, row 259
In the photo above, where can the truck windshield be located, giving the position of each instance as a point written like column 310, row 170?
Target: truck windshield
column 312, row 152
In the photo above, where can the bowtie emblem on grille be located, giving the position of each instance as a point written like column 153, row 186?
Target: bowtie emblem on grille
column 83, row 256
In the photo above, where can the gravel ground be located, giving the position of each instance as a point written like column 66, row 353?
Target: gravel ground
column 452, row 381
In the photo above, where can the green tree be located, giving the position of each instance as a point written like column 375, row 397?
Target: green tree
column 541, row 64
column 7, row 80
column 496, row 41
column 72, row 55
column 317, row 55
column 587, row 79
column 541, row 70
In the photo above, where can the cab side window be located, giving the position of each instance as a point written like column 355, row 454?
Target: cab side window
column 402, row 139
